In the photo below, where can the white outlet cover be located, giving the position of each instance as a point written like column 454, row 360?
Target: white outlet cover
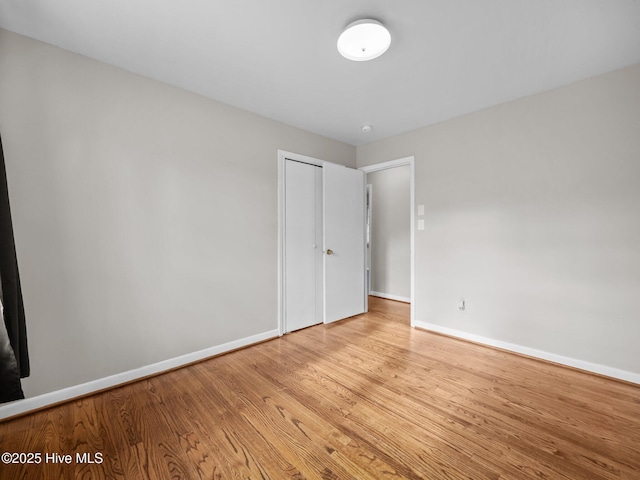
column 420, row 224
column 420, row 209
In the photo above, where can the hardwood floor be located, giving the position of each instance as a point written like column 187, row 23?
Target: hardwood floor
column 367, row 397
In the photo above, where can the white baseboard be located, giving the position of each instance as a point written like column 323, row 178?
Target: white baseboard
column 397, row 298
column 23, row 406
column 532, row 352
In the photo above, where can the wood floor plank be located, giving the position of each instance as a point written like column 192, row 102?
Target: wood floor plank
column 365, row 398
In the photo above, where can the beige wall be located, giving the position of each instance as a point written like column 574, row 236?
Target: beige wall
column 391, row 232
column 532, row 216
column 145, row 216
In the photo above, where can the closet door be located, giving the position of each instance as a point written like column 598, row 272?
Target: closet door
column 344, row 242
column 303, row 245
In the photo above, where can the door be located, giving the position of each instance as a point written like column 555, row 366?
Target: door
column 344, row 241
column 303, row 245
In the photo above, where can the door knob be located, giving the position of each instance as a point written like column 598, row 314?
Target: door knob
column 329, row 251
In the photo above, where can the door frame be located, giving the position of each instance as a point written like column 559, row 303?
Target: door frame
column 367, row 238
column 410, row 161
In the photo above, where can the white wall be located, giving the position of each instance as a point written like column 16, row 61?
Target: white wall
column 145, row 216
column 391, row 232
column 532, row 216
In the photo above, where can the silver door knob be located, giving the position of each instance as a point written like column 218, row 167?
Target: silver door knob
column 329, row 251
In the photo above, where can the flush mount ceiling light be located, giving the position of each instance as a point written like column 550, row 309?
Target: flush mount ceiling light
column 364, row 40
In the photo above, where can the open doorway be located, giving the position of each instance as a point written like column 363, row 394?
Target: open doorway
column 390, row 230
column 389, row 245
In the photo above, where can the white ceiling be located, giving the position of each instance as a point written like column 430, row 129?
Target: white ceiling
column 279, row 59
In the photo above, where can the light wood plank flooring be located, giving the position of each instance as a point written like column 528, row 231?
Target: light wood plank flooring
column 365, row 398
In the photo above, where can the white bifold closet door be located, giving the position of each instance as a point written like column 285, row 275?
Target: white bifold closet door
column 324, row 244
column 344, row 238
column 303, row 245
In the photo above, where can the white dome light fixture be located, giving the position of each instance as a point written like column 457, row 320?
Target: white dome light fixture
column 364, row 40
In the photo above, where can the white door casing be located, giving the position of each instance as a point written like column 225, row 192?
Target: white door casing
column 367, row 236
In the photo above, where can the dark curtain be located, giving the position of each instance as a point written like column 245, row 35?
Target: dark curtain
column 14, row 357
